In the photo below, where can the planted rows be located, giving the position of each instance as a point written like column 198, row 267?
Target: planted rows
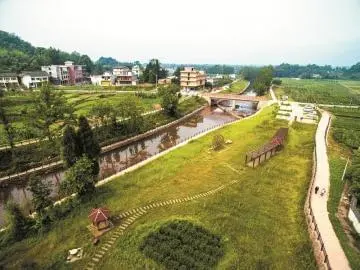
column 183, row 245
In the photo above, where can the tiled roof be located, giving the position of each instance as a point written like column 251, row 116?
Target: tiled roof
column 35, row 73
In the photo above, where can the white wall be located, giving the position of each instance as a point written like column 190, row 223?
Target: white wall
column 354, row 220
column 26, row 80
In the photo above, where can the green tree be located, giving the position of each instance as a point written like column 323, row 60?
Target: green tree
column 40, row 194
column 79, row 178
column 50, row 107
column 104, row 113
column 89, row 146
column 88, row 143
column 154, row 70
column 70, row 146
column 5, row 120
column 170, row 99
column 263, row 80
column 130, row 110
column 19, row 225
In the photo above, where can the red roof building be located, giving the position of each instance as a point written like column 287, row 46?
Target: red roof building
column 100, row 217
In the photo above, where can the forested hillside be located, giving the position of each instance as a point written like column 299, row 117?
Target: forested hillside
column 17, row 55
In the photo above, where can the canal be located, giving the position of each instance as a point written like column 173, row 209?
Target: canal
column 118, row 159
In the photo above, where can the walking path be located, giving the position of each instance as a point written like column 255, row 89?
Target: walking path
column 130, row 217
column 273, row 96
column 336, row 255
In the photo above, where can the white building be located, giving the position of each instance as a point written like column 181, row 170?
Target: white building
column 8, row 80
column 136, row 70
column 96, row 79
column 124, row 76
column 34, row 79
column 58, row 73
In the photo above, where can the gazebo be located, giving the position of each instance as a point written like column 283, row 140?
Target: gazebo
column 100, row 218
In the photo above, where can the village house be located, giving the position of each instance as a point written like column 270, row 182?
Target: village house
column 33, row 79
column 124, row 76
column 9, row 80
column 65, row 74
column 192, row 79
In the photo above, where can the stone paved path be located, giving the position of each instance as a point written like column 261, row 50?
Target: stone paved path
column 336, row 255
column 130, row 217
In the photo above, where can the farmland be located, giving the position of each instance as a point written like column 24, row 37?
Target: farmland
column 259, row 220
column 320, row 91
column 19, row 106
column 345, row 137
column 346, row 126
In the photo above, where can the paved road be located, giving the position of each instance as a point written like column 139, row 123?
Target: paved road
column 333, row 248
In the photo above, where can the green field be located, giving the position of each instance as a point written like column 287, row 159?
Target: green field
column 19, row 106
column 337, row 162
column 236, row 87
column 259, row 219
column 346, row 126
column 320, row 91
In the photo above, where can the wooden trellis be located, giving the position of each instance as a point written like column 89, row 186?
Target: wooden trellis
column 266, row 151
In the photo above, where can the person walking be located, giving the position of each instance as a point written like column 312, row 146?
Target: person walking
column 322, row 192
column 316, row 189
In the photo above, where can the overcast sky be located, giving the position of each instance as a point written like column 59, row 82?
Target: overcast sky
column 193, row 31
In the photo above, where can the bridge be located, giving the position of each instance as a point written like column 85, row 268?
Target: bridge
column 233, row 101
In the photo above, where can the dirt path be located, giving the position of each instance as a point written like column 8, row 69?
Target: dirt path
column 336, row 255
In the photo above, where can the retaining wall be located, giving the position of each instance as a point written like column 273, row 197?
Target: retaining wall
column 354, row 214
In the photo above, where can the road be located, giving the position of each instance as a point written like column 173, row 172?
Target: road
column 336, row 255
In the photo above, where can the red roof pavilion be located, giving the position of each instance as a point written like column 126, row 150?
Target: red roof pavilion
column 99, row 215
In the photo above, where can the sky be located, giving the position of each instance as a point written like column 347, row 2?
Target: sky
column 241, row 32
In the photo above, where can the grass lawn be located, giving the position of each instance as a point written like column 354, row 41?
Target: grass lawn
column 260, row 219
column 236, row 87
column 319, row 91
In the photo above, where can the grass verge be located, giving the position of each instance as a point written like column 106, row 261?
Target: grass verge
column 260, row 218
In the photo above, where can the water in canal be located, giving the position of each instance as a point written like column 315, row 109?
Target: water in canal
column 118, row 159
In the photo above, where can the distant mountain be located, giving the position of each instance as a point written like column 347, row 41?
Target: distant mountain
column 17, row 55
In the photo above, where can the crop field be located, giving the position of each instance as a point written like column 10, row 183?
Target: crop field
column 346, row 126
column 320, row 91
column 257, row 222
column 20, row 106
column 353, row 85
column 345, row 133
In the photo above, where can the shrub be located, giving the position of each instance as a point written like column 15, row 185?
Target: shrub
column 218, row 142
column 180, row 244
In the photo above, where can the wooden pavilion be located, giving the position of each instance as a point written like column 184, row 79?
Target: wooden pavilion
column 269, row 149
column 100, row 218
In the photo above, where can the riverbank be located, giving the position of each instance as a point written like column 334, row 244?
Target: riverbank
column 265, row 206
column 33, row 158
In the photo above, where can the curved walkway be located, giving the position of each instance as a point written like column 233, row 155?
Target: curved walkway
column 131, row 215
column 336, row 255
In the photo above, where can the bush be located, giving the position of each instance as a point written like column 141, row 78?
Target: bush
column 180, row 244
column 218, row 142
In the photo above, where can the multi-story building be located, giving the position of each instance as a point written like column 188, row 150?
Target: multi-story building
column 124, row 76
column 192, row 79
column 65, row 74
column 34, row 79
column 136, row 70
column 76, row 72
column 8, row 80
column 107, row 79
